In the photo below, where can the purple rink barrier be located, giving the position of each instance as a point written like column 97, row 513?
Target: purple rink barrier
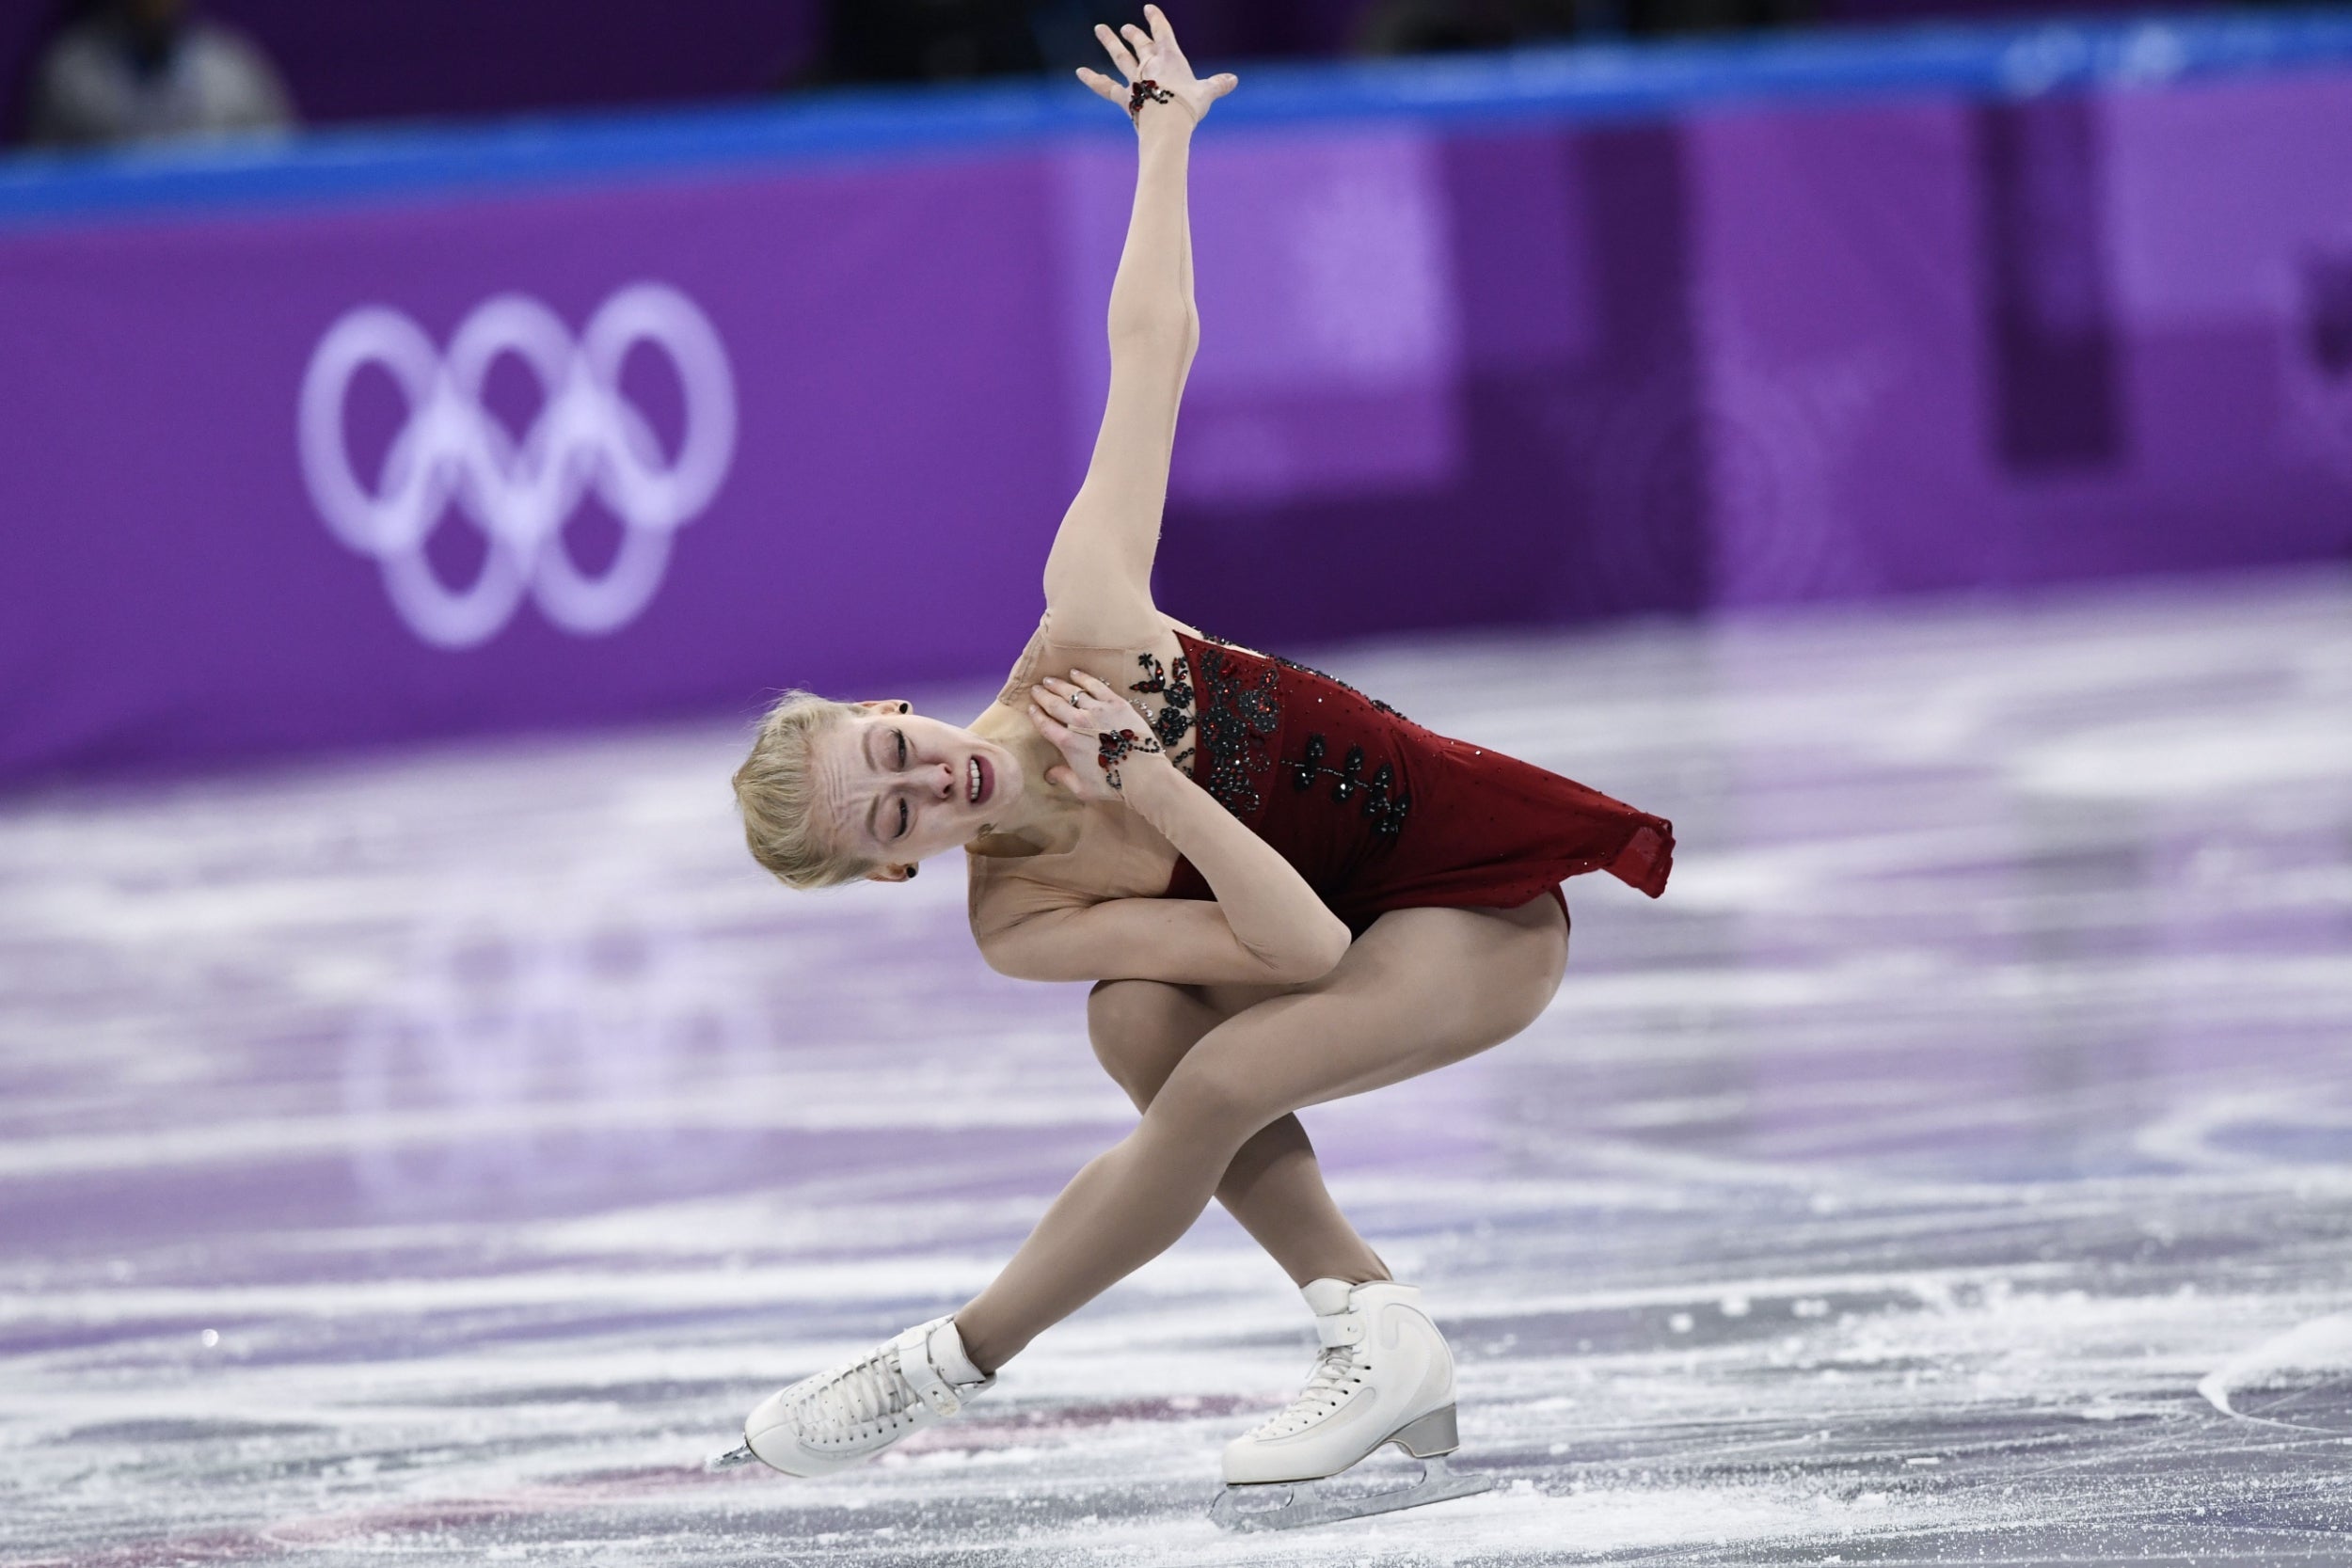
column 349, row 443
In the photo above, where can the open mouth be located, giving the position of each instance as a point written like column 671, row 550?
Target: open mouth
column 975, row 781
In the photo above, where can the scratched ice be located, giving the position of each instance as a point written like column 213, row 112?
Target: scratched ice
column 431, row 1159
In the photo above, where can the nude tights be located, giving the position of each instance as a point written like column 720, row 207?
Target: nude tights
column 1217, row 1089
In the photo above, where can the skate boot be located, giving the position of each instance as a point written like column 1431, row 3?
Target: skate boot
column 1383, row 1376
column 835, row 1418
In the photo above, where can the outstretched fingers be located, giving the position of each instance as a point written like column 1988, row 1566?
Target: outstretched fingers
column 1116, row 49
column 1152, row 55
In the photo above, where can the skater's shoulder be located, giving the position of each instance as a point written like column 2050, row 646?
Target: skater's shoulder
column 1119, row 657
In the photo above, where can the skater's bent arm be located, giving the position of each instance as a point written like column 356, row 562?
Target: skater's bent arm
column 1267, row 927
column 1098, row 578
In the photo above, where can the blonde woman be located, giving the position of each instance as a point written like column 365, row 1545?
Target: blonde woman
column 1284, row 890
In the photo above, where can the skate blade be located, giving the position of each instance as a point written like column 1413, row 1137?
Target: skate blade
column 734, row 1459
column 1302, row 1504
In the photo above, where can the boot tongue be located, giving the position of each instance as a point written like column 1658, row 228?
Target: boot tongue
column 1326, row 1297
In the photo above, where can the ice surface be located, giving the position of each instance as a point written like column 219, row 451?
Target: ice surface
column 431, row 1159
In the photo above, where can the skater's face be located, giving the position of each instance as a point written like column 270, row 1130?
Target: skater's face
column 896, row 786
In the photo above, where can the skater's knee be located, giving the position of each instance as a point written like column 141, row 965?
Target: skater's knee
column 1210, row 1107
column 1140, row 1030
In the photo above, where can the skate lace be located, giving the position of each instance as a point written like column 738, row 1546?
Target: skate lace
column 1334, row 1378
column 851, row 1401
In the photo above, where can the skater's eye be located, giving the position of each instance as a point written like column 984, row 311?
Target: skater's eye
column 902, row 818
column 900, row 735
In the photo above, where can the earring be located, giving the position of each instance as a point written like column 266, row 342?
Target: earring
column 910, row 869
column 906, row 707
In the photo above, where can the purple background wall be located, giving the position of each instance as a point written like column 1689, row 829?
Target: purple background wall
column 454, row 58
column 349, row 61
column 1768, row 357
column 374, row 61
column 1451, row 375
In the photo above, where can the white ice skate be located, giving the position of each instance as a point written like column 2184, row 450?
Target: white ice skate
column 1385, row 1376
column 835, row 1418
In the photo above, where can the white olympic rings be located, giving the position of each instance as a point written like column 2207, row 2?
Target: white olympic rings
column 519, row 493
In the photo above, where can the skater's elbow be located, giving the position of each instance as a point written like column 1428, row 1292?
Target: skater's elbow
column 1160, row 331
column 1018, row 959
column 1312, row 956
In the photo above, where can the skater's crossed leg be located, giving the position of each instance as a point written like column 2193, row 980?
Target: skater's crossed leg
column 1422, row 989
column 1274, row 1186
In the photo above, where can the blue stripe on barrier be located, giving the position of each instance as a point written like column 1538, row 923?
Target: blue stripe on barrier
column 1586, row 82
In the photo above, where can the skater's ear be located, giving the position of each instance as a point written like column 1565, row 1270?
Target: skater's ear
column 892, row 873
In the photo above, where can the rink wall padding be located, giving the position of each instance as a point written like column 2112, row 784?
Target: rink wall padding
column 1556, row 342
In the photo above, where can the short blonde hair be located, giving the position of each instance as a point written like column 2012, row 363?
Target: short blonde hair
column 777, row 789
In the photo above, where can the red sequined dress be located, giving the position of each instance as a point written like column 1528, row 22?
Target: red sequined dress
column 1375, row 812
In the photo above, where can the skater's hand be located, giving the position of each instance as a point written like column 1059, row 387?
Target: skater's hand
column 1154, row 56
column 1103, row 739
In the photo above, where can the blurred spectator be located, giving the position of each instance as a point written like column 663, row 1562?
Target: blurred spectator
column 906, row 41
column 1444, row 26
column 1430, row 27
column 1650, row 18
column 128, row 70
column 900, row 40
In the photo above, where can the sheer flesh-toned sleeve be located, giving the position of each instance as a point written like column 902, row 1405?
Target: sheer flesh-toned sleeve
column 1099, row 572
column 1026, row 667
column 1048, row 653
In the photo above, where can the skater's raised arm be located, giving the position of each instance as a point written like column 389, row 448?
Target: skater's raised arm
column 1098, row 578
column 1267, row 927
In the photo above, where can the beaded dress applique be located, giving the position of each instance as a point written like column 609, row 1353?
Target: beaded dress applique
column 1384, row 803
column 1242, row 713
column 1237, row 713
column 1332, row 779
column 1174, row 720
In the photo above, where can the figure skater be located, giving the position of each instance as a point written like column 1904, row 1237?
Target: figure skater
column 1285, row 893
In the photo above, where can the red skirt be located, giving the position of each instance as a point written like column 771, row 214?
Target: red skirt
column 1378, row 812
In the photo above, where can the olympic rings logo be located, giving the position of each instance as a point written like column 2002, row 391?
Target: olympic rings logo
column 520, row 494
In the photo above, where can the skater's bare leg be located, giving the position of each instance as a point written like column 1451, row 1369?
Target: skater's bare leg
column 1274, row 1186
column 1422, row 989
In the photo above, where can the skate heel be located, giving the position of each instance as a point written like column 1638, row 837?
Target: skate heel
column 1329, row 1500
column 1430, row 1436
